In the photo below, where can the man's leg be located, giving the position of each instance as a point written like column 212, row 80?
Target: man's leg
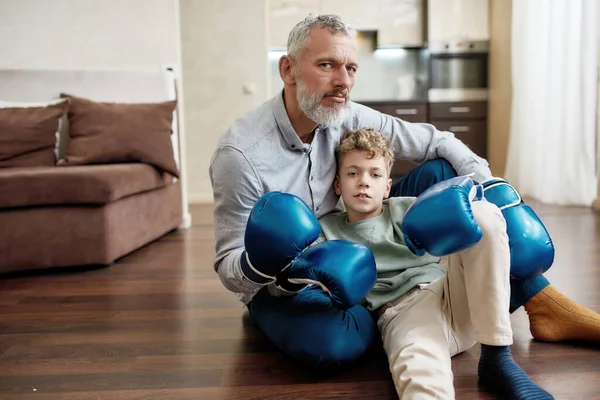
column 310, row 330
column 552, row 316
column 431, row 172
column 422, row 177
column 476, row 292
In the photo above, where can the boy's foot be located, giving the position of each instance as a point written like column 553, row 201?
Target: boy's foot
column 500, row 373
column 554, row 317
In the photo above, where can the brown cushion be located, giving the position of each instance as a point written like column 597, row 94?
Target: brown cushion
column 120, row 132
column 85, row 184
column 28, row 134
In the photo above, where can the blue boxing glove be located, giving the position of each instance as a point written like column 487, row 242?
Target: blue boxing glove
column 344, row 270
column 440, row 221
column 531, row 248
column 279, row 228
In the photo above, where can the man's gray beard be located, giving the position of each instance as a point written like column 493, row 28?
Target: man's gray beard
column 310, row 104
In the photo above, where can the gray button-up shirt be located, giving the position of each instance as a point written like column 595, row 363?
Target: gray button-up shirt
column 261, row 153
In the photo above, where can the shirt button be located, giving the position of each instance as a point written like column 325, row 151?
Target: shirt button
column 312, row 178
column 293, row 146
column 318, row 208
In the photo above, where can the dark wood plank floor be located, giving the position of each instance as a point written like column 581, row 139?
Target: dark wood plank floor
column 159, row 325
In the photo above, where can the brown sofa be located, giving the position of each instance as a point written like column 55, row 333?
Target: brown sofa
column 82, row 215
column 115, row 188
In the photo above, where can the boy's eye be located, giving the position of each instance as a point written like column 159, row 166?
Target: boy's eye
column 351, row 173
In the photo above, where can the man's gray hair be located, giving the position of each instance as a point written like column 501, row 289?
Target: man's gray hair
column 300, row 32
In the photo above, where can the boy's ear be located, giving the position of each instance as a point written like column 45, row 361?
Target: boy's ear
column 388, row 187
column 336, row 185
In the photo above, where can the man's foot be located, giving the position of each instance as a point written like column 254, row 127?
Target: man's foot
column 500, row 373
column 553, row 317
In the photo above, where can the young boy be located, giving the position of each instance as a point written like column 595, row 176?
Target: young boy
column 428, row 309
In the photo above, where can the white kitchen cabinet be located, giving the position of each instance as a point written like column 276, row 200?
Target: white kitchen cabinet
column 449, row 20
column 284, row 15
column 361, row 14
column 401, row 23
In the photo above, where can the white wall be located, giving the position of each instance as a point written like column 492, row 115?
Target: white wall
column 73, row 34
column 500, row 85
column 596, row 203
column 92, row 34
column 224, row 47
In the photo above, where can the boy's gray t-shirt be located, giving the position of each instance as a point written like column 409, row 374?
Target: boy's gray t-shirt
column 398, row 269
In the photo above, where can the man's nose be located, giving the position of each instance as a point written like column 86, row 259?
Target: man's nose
column 342, row 78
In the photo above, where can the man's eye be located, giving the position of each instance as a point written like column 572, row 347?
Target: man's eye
column 351, row 70
column 326, row 65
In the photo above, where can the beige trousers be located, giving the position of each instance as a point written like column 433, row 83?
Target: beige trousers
column 422, row 330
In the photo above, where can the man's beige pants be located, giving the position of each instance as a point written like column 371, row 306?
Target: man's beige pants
column 434, row 322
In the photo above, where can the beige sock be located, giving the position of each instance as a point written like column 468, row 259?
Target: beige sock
column 553, row 317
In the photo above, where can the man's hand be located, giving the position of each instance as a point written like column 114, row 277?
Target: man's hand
column 280, row 226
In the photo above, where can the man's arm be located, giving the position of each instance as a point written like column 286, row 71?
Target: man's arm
column 421, row 142
column 236, row 189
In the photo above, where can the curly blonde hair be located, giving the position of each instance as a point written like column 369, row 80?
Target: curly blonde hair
column 369, row 140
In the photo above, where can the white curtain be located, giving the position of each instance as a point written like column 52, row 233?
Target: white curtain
column 552, row 145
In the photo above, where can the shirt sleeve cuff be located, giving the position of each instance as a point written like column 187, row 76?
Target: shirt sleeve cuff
column 251, row 273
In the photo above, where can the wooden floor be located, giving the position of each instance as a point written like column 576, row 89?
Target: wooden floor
column 159, row 325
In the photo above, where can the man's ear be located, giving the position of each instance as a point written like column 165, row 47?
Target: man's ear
column 336, row 185
column 388, row 187
column 286, row 70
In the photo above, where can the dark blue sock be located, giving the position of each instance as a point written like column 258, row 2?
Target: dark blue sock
column 499, row 372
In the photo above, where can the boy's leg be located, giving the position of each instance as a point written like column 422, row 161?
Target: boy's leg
column 552, row 316
column 415, row 339
column 476, row 297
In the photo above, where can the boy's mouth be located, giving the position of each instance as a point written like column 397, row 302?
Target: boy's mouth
column 362, row 196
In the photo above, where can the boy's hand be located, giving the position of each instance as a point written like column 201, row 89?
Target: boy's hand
column 440, row 220
column 345, row 271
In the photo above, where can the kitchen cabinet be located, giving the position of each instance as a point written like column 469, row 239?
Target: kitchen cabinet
column 401, row 23
column 452, row 20
column 410, row 111
column 466, row 119
column 284, row 15
column 361, row 14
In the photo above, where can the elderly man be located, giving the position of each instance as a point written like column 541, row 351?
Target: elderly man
column 287, row 145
